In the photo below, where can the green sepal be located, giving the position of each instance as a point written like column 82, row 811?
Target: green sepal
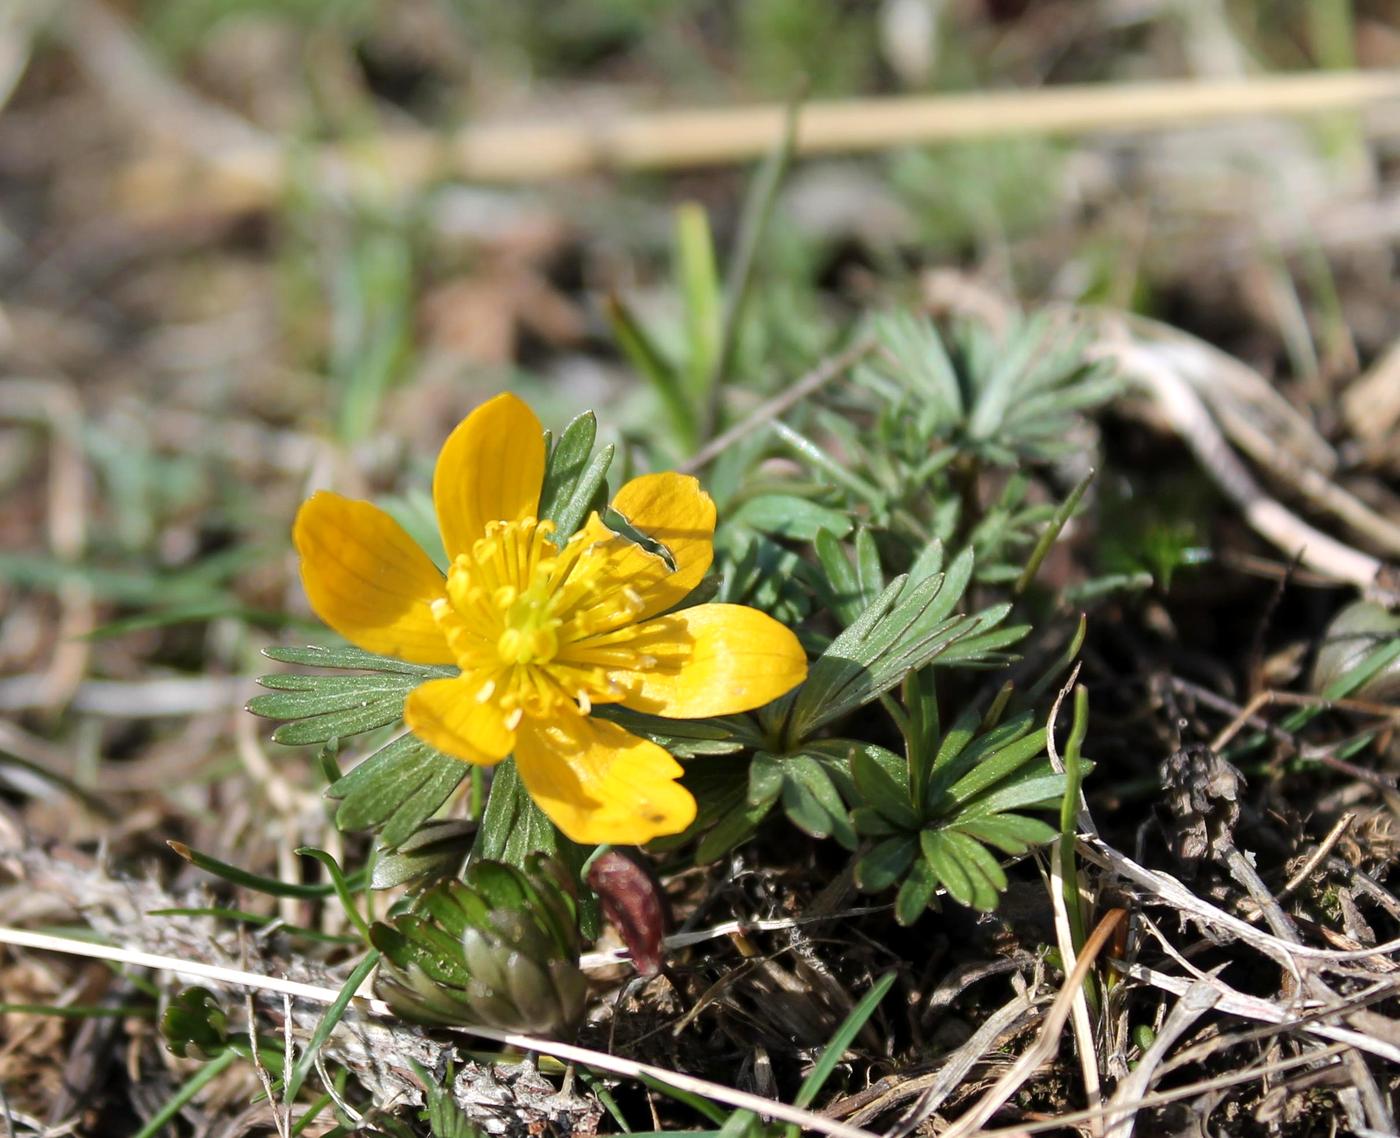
column 574, row 477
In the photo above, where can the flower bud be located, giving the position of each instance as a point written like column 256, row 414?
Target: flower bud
column 498, row 948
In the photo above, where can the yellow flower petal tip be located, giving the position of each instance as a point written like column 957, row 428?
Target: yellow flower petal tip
column 490, row 469
column 544, row 631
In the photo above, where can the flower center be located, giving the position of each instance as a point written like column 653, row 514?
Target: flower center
column 531, row 634
column 537, row 629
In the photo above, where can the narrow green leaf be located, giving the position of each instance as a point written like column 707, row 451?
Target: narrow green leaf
column 1069, row 815
column 915, row 895
column 733, row 827
column 986, row 875
column 187, row 1092
column 870, row 575
column 701, row 300
column 765, row 779
column 589, row 495
column 646, row 357
column 1052, row 531
column 312, row 656
column 1061, row 663
column 332, row 1016
column 514, row 826
column 845, row 1035
column 687, row 738
column 963, row 749
column 885, row 863
column 1013, row 834
column 827, row 463
column 959, row 736
column 342, row 889
column 943, row 860
column 568, row 459
column 927, row 563
column 839, row 578
column 1044, row 790
column 996, row 768
column 870, row 823
column 232, row 873
column 811, row 801
column 333, row 725
column 788, row 516
column 882, row 778
column 754, row 218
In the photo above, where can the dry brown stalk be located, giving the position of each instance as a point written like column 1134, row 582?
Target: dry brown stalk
column 249, row 176
column 1049, row 1037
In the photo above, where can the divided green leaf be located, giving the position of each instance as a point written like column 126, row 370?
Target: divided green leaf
column 396, row 789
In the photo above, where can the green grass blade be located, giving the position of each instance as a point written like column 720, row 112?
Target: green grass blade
column 327, row 1024
column 342, row 887
column 845, row 1034
column 269, row 885
column 192, row 1086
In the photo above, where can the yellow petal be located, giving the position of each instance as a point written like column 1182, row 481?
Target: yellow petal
column 599, row 783
column 671, row 509
column 490, row 470
column 368, row 579
column 447, row 715
column 712, row 660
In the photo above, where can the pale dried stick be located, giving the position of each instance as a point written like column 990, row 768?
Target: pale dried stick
column 1127, row 1099
column 19, row 26
column 1177, row 1094
column 525, row 151
column 1267, row 517
column 1048, row 1038
column 936, row 1086
column 1083, row 1029
column 133, row 699
column 627, row 1068
column 1167, row 890
column 1316, row 858
column 1252, row 1007
column 803, row 388
column 55, row 403
column 118, row 64
column 1251, row 410
column 1064, row 932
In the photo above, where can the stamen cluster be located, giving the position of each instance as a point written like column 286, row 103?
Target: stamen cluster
column 537, row 629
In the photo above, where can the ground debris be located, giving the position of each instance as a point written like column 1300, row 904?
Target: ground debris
column 502, row 1098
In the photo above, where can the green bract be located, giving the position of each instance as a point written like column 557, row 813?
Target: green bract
column 498, row 948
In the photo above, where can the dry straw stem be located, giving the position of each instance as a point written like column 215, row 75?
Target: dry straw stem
column 249, row 176
column 1049, row 1038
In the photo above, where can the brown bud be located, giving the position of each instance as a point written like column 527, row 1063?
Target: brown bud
column 632, row 900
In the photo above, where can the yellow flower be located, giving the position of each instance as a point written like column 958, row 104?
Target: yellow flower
column 543, row 633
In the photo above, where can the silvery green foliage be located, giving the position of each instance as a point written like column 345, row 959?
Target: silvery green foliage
column 1008, row 398
column 901, row 455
